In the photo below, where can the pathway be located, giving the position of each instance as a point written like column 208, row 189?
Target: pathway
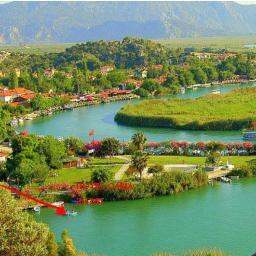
column 121, row 172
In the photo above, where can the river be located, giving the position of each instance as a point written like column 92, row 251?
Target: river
column 100, row 118
column 222, row 216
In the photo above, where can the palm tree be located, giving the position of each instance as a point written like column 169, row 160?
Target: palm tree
column 139, row 162
column 139, row 140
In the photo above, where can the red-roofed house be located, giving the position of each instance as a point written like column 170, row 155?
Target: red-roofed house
column 9, row 95
column 104, row 70
column 157, row 66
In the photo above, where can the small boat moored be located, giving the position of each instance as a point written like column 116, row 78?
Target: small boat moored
column 249, row 135
column 225, row 179
column 37, row 208
column 217, row 91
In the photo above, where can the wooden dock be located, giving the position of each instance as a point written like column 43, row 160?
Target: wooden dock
column 217, row 174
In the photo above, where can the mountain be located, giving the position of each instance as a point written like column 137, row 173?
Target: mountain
column 32, row 22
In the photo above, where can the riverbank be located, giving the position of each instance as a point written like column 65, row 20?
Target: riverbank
column 70, row 107
column 231, row 111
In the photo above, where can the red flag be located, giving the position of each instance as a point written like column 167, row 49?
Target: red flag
column 91, row 133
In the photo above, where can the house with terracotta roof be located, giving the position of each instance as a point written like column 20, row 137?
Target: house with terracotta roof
column 18, row 94
column 107, row 69
column 49, row 72
column 135, row 82
column 157, row 66
column 3, row 157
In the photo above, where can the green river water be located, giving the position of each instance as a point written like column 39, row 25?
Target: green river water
column 101, row 118
column 222, row 216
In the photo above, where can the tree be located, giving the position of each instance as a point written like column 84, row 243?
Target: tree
column 14, row 83
column 20, row 234
column 53, row 150
column 26, row 166
column 100, row 176
column 213, row 159
column 52, row 246
column 67, row 247
column 142, row 92
column 150, row 85
column 139, row 162
column 110, row 146
column 74, row 145
column 139, row 140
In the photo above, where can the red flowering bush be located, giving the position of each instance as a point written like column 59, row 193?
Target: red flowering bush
column 152, row 144
column 94, row 145
column 24, row 133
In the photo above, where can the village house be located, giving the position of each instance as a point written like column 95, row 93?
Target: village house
column 135, row 82
column 3, row 157
column 141, row 73
column 49, row 72
column 114, row 92
column 157, row 66
column 18, row 94
column 215, row 56
column 104, row 70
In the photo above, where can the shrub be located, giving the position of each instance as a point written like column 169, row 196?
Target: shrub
column 155, row 169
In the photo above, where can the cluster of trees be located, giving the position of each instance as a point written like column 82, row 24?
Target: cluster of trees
column 5, row 118
column 20, row 234
column 78, row 64
column 33, row 157
column 43, row 103
column 165, row 184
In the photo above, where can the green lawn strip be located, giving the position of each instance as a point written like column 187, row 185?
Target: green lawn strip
column 238, row 161
column 74, row 175
column 112, row 160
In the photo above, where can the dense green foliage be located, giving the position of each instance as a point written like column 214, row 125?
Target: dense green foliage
column 231, row 111
column 78, row 69
column 33, row 157
column 5, row 118
column 164, row 184
column 100, row 176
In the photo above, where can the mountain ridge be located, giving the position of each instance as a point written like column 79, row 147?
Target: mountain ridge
column 32, row 22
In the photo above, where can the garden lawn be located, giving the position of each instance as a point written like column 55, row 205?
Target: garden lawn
column 231, row 111
column 237, row 161
column 74, row 175
column 112, row 160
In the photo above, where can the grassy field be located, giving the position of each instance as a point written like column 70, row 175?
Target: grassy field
column 103, row 161
column 236, row 43
column 238, row 161
column 36, row 48
column 75, row 175
column 230, row 111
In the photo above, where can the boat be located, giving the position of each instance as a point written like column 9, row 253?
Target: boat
column 60, row 203
column 225, row 179
column 217, row 91
column 249, row 135
column 21, row 120
column 37, row 208
column 72, row 213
